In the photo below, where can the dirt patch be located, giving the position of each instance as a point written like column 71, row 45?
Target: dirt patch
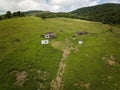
column 76, row 49
column 87, row 85
column 21, row 78
column 110, row 60
column 57, row 83
column 57, row 45
column 66, row 52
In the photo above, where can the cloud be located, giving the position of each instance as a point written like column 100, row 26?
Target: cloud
column 48, row 5
column 109, row 1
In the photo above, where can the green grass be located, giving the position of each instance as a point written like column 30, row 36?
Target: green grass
column 20, row 50
column 88, row 66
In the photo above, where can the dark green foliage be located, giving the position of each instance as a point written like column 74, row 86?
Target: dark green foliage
column 43, row 16
column 22, row 14
column 105, row 13
column 34, row 12
column 54, row 15
column 12, row 15
column 8, row 14
column 18, row 14
column 0, row 18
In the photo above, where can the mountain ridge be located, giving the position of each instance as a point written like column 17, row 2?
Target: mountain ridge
column 106, row 13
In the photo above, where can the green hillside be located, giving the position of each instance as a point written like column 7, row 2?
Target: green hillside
column 106, row 13
column 63, row 64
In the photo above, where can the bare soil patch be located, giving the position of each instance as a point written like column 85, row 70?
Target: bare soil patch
column 110, row 60
column 87, row 85
column 21, row 78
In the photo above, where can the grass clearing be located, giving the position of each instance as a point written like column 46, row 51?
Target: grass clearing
column 25, row 64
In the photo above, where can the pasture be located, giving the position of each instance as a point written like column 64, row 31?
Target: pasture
column 25, row 64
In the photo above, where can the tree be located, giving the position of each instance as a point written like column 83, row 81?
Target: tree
column 0, row 18
column 43, row 16
column 19, row 13
column 22, row 14
column 15, row 14
column 8, row 14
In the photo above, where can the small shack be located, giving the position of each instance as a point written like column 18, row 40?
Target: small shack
column 81, row 33
column 50, row 35
column 80, row 42
column 44, row 42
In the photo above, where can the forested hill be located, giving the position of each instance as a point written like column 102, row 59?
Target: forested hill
column 106, row 13
column 34, row 12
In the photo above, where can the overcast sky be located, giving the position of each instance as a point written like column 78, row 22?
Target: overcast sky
column 48, row 5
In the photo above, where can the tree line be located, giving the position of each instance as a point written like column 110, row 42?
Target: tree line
column 55, row 15
column 105, row 13
column 9, row 14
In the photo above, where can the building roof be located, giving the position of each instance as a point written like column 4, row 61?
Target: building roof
column 50, row 33
column 81, row 33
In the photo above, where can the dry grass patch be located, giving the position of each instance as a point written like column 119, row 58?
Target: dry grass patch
column 58, row 45
column 110, row 60
column 21, row 78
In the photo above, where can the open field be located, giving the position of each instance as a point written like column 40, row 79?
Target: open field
column 25, row 64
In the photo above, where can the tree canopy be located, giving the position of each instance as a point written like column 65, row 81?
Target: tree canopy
column 105, row 13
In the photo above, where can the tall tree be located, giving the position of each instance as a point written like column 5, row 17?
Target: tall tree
column 8, row 14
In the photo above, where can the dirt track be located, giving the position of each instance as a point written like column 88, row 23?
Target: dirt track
column 57, row 82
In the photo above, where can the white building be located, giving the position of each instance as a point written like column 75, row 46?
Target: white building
column 44, row 41
column 80, row 42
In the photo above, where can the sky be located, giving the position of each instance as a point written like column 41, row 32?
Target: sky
column 48, row 5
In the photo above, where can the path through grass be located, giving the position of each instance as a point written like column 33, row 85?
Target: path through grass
column 57, row 82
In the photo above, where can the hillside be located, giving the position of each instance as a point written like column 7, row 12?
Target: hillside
column 63, row 64
column 106, row 13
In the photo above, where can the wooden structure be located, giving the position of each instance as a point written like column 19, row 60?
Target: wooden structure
column 81, row 33
column 50, row 35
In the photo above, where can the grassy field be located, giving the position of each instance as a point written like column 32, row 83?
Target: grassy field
column 25, row 64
